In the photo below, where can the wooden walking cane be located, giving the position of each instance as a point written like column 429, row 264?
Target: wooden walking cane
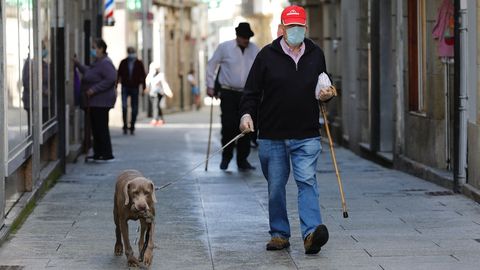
column 332, row 152
column 88, row 130
column 209, row 134
column 216, row 88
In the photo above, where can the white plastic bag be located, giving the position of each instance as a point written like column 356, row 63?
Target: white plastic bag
column 323, row 83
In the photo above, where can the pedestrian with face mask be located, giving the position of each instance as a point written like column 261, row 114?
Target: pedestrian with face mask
column 131, row 74
column 98, row 90
column 281, row 94
column 233, row 58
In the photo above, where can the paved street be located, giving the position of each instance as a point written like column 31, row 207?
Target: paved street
column 218, row 220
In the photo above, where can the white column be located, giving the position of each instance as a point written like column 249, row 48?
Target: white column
column 36, row 97
column 3, row 118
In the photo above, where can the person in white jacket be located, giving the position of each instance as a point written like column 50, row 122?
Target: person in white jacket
column 157, row 88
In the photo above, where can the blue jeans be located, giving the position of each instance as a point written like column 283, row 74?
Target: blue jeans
column 275, row 157
column 133, row 93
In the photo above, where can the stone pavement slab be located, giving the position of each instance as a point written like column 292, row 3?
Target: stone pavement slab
column 218, row 219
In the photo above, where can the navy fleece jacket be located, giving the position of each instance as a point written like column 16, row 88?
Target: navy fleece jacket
column 283, row 93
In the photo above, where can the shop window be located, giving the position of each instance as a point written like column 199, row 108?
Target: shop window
column 417, row 55
column 19, row 45
column 46, row 30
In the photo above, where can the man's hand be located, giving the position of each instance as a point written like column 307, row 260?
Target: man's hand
column 327, row 93
column 210, row 92
column 90, row 92
column 246, row 123
column 75, row 59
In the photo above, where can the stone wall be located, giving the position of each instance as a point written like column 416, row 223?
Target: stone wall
column 474, row 124
column 424, row 131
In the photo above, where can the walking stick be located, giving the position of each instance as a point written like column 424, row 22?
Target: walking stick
column 209, row 134
column 88, row 130
column 340, row 186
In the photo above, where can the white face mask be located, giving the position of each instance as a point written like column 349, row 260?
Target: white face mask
column 295, row 35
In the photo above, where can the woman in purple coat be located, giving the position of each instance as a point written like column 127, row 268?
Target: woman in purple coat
column 98, row 86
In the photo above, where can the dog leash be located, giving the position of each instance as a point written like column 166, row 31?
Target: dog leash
column 147, row 236
column 208, row 158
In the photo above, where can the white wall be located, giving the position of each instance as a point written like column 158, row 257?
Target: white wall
column 115, row 37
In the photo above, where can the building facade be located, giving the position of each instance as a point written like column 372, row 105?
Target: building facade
column 407, row 73
column 42, row 125
column 167, row 34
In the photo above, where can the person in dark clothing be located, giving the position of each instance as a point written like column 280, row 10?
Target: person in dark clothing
column 47, row 93
column 235, row 57
column 282, row 94
column 131, row 74
column 98, row 88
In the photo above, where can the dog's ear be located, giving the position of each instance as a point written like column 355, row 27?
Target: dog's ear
column 154, row 198
column 125, row 193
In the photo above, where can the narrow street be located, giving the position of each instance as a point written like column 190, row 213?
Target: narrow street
column 218, row 219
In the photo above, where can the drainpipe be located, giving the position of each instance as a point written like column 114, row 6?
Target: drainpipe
column 399, row 92
column 375, row 48
column 461, row 81
column 99, row 20
column 181, row 56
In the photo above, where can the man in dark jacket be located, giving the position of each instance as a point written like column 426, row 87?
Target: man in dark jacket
column 282, row 89
column 131, row 74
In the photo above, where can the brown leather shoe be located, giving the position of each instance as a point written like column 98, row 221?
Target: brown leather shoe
column 314, row 241
column 277, row 243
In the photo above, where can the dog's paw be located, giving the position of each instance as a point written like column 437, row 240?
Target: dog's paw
column 148, row 257
column 118, row 249
column 133, row 262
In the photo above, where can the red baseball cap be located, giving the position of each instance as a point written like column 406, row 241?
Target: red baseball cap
column 294, row 15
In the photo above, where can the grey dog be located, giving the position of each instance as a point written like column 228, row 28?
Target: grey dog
column 134, row 200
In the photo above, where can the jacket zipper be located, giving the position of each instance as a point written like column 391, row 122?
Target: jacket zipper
column 296, row 64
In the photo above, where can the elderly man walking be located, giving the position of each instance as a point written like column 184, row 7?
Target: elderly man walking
column 235, row 57
column 281, row 87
